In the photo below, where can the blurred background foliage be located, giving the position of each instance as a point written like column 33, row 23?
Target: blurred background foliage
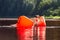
column 30, row 8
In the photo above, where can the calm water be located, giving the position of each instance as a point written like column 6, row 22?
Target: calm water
column 9, row 33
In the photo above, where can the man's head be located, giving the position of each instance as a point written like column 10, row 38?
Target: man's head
column 37, row 16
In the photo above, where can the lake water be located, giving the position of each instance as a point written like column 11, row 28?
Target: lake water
column 9, row 33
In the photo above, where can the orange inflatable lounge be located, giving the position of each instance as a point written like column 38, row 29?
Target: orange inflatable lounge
column 24, row 26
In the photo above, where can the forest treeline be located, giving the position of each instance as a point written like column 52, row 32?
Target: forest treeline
column 30, row 8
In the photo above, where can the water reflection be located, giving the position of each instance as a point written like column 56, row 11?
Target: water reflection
column 9, row 32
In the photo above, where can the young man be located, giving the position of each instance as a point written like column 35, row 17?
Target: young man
column 37, row 24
